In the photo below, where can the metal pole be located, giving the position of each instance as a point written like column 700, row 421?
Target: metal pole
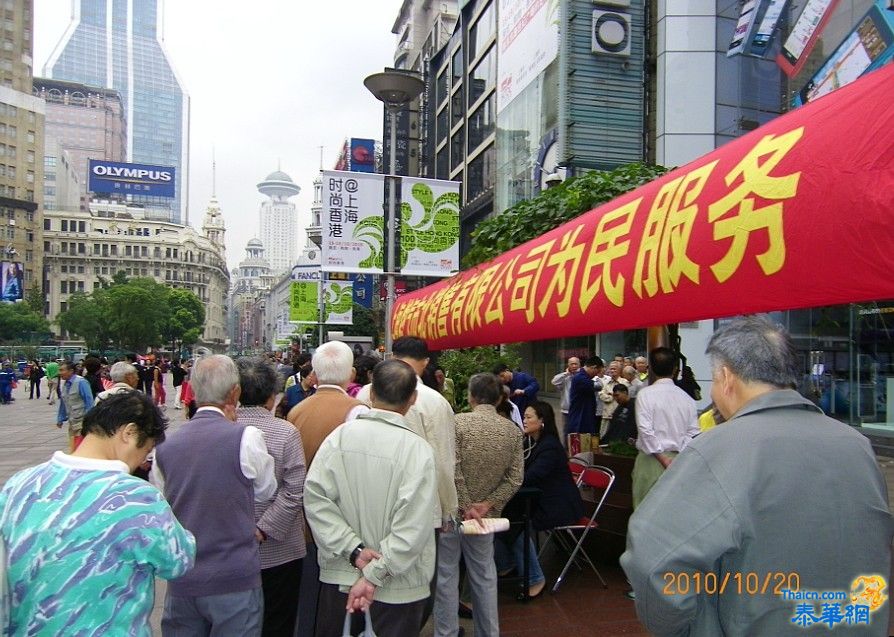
column 391, row 222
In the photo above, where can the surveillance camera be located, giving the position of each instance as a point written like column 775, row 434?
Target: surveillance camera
column 552, row 179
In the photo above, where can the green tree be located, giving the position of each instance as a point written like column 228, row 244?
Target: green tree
column 135, row 312
column 19, row 323
column 34, row 298
column 366, row 323
column 462, row 364
column 529, row 219
column 86, row 317
column 183, row 319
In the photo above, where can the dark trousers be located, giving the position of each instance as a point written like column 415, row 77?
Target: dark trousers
column 281, row 585
column 389, row 620
column 35, row 384
column 310, row 594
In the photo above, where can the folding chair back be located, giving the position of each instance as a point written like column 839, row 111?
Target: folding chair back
column 577, row 466
column 572, row 536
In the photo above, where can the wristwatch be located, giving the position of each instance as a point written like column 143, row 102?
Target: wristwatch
column 355, row 554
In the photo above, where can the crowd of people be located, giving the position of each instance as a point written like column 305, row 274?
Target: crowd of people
column 333, row 486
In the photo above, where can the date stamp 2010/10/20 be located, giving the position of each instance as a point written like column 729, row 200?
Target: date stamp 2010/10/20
column 738, row 583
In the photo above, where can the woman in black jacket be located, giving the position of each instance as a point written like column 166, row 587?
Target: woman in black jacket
column 546, row 468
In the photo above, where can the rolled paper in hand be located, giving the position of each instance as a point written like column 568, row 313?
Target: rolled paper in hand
column 491, row 525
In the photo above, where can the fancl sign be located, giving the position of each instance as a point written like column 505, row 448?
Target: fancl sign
column 131, row 179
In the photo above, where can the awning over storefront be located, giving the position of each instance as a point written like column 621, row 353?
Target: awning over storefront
column 798, row 213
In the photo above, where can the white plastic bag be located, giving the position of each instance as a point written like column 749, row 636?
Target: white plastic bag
column 368, row 632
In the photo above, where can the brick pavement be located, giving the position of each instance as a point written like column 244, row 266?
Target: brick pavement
column 581, row 606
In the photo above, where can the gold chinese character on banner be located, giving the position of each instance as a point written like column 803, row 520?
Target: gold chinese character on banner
column 566, row 261
column 524, row 287
column 606, row 247
column 755, row 180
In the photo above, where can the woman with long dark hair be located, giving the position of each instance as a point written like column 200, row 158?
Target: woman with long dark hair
column 546, row 468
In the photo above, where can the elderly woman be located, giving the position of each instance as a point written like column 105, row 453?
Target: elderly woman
column 280, row 521
column 546, row 468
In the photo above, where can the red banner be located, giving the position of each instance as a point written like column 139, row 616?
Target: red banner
column 798, row 213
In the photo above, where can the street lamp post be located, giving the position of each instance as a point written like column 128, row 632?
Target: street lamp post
column 395, row 89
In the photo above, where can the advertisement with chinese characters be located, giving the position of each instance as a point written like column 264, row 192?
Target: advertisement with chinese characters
column 429, row 230
column 353, row 222
column 338, row 302
column 131, row 179
column 304, row 305
column 753, row 226
column 528, row 42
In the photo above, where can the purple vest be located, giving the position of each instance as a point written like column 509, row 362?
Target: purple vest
column 213, row 499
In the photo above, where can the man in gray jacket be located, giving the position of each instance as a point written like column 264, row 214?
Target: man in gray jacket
column 369, row 497
column 771, row 522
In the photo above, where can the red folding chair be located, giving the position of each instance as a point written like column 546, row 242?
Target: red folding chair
column 571, row 537
column 577, row 466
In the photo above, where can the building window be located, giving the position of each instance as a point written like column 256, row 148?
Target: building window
column 482, row 31
column 481, row 123
column 81, row 226
column 483, row 76
column 63, row 224
column 457, row 149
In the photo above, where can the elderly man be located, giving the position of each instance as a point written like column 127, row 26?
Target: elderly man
column 280, row 521
column 779, row 499
column 562, row 382
column 431, row 416
column 84, row 539
column 125, row 378
column 213, row 471
column 316, row 417
column 642, row 368
column 369, row 498
column 666, row 420
column 605, row 395
column 75, row 400
column 489, row 470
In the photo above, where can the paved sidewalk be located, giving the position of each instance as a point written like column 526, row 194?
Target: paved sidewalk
column 30, row 437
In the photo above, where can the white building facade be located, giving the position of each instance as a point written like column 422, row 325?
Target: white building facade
column 279, row 221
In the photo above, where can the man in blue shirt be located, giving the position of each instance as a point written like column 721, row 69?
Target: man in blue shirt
column 523, row 387
column 582, row 398
column 76, row 400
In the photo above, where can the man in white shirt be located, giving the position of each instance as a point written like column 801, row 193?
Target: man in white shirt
column 212, row 471
column 562, row 382
column 666, row 420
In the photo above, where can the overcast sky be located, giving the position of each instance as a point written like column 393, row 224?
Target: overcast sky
column 269, row 81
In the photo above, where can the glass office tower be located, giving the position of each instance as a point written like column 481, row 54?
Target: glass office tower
column 118, row 44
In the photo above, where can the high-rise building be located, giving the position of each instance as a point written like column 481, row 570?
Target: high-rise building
column 21, row 153
column 87, row 122
column 120, row 46
column 279, row 221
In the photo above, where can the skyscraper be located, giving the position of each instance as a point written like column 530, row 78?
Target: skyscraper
column 279, row 221
column 119, row 45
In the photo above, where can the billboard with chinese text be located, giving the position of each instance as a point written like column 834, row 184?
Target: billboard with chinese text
column 528, row 41
column 131, row 179
column 750, row 227
column 352, row 222
column 429, row 229
column 304, row 303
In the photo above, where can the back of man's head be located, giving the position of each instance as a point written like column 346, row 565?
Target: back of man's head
column 485, row 389
column 258, row 381
column 411, row 347
column 662, row 362
column 120, row 371
column 393, row 384
column 756, row 350
column 213, row 378
column 332, row 362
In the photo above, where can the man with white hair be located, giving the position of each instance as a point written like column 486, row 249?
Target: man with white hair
column 212, row 471
column 316, row 417
column 125, row 378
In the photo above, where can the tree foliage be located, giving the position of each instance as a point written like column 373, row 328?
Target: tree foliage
column 134, row 314
column 19, row 323
column 529, row 219
column 366, row 323
column 462, row 364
